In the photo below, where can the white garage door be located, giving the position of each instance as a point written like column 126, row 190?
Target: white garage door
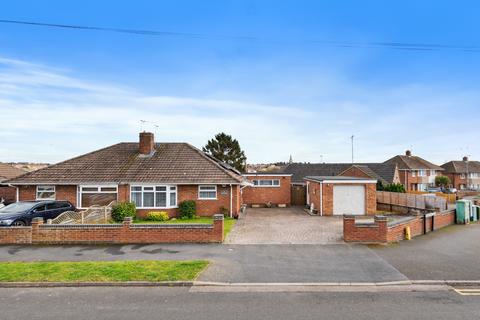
column 349, row 200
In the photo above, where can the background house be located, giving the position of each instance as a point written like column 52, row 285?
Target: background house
column 463, row 174
column 7, row 192
column 416, row 174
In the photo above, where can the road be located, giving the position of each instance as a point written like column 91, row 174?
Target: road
column 181, row 303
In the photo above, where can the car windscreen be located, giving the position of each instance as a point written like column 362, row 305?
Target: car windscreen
column 17, row 207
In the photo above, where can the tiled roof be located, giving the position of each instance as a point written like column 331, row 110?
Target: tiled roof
column 378, row 171
column 122, row 163
column 461, row 166
column 412, row 163
column 8, row 171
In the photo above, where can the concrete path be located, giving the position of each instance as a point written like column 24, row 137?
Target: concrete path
column 285, row 226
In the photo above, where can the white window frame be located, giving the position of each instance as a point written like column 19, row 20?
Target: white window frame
column 154, row 186
column 209, row 190
column 258, row 185
column 433, row 173
column 422, row 173
column 46, row 186
column 414, row 173
column 99, row 188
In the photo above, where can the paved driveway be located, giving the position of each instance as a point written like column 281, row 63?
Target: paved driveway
column 285, row 226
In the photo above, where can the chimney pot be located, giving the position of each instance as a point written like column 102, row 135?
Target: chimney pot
column 408, row 153
column 147, row 143
column 465, row 158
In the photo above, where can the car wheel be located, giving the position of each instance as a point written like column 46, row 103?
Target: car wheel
column 19, row 223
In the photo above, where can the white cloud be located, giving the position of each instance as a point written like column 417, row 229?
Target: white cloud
column 48, row 114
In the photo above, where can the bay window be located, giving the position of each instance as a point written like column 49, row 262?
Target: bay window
column 45, row 193
column 97, row 195
column 161, row 197
column 207, row 192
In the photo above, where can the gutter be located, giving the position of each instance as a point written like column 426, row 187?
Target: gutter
column 231, row 201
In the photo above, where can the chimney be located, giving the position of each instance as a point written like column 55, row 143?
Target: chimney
column 408, row 153
column 465, row 159
column 147, row 143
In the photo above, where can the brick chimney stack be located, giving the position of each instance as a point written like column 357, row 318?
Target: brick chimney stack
column 408, row 153
column 465, row 159
column 147, row 143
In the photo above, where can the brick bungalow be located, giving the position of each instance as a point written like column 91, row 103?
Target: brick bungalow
column 8, row 192
column 463, row 174
column 339, row 195
column 416, row 174
column 155, row 176
column 273, row 188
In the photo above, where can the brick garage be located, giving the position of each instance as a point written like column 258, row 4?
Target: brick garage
column 339, row 195
column 185, row 192
column 267, row 188
column 383, row 231
column 126, row 233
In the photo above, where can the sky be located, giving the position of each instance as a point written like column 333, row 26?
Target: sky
column 284, row 78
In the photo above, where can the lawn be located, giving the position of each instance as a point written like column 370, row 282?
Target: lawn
column 228, row 223
column 101, row 271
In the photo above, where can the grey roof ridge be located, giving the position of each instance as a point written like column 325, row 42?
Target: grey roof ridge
column 214, row 162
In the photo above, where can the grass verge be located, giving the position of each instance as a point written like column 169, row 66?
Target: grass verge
column 101, row 271
column 228, row 223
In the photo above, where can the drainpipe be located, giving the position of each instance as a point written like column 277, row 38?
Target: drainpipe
column 17, row 193
column 321, row 199
column 231, row 201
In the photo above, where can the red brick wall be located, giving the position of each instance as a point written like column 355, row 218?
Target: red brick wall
column 185, row 192
column 379, row 232
column 8, row 193
column 314, row 197
column 113, row 234
column 263, row 195
column 13, row 235
column 366, row 233
column 355, row 172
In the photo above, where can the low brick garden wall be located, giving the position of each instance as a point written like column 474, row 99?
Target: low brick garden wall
column 125, row 233
column 380, row 230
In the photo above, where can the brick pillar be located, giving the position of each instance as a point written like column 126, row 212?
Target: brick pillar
column 381, row 222
column 348, row 228
column 218, row 227
column 36, row 223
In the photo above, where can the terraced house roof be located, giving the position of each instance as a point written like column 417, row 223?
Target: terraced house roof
column 379, row 171
column 175, row 163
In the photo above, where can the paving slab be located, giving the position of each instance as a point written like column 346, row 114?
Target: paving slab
column 285, row 226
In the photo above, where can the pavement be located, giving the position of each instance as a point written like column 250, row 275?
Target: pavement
column 285, row 226
column 184, row 303
column 236, row 263
column 448, row 254
column 451, row 253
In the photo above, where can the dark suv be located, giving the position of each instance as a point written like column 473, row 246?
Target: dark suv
column 21, row 213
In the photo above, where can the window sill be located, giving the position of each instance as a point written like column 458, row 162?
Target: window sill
column 207, row 199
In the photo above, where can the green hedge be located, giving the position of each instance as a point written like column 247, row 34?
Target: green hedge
column 188, row 209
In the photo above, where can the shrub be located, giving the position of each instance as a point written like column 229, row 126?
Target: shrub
column 188, row 209
column 122, row 210
column 157, row 216
column 224, row 211
column 394, row 187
